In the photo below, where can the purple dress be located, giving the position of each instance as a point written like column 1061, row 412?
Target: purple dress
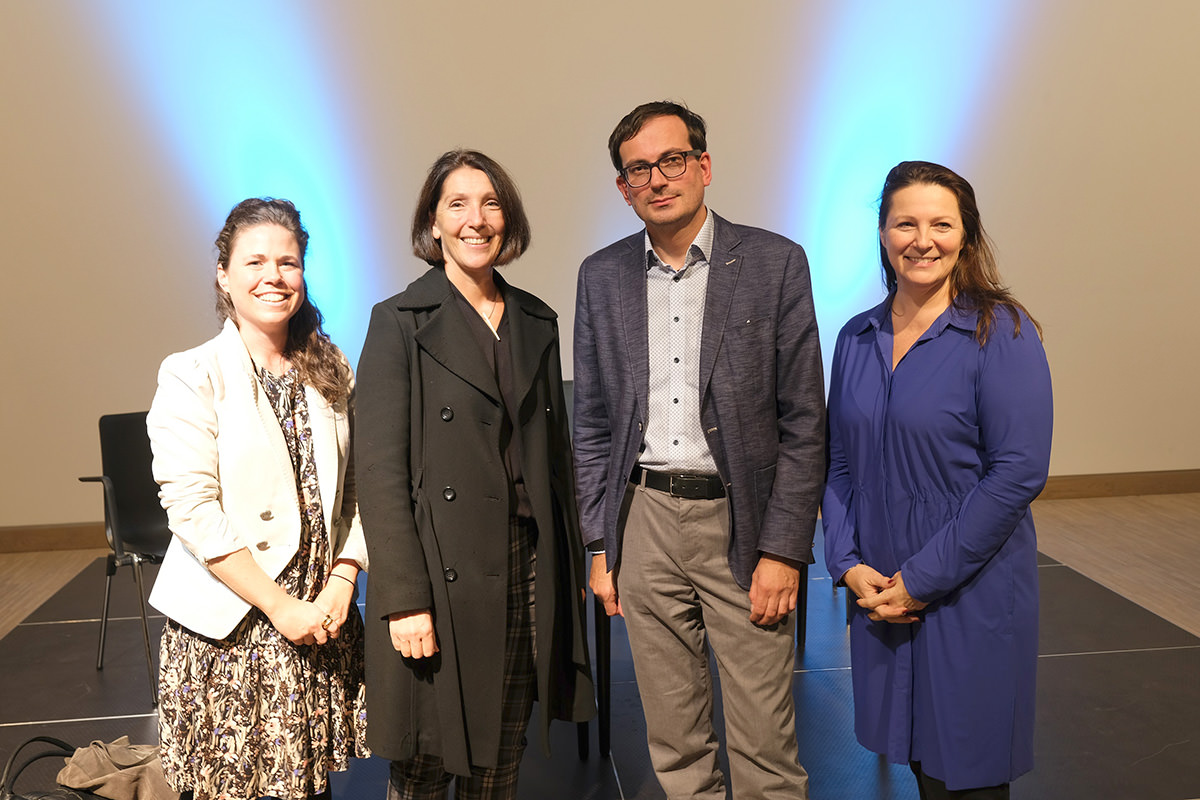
column 932, row 469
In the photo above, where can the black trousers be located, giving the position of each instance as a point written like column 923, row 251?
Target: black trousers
column 934, row 789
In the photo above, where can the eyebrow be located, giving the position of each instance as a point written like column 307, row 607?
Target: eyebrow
column 674, row 151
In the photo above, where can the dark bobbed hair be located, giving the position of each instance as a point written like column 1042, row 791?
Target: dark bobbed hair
column 632, row 123
column 516, row 224
column 319, row 363
column 975, row 282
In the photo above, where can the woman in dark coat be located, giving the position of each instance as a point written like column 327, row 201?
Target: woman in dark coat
column 467, row 495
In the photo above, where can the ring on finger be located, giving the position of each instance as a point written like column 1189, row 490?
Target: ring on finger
column 325, row 623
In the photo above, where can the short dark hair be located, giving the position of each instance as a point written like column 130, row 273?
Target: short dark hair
column 632, row 122
column 975, row 279
column 516, row 224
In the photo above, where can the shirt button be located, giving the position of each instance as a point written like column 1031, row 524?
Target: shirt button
column 451, row 575
column 447, row 414
column 676, row 360
column 676, row 400
column 262, row 545
column 448, row 494
column 266, row 516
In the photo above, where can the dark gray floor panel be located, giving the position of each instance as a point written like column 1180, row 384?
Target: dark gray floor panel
column 1120, row 725
column 1079, row 615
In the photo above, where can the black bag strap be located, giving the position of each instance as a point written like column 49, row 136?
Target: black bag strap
column 9, row 778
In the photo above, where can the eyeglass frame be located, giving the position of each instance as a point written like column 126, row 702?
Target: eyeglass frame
column 624, row 171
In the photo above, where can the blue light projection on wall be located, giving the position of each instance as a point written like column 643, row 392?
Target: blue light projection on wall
column 894, row 83
column 244, row 96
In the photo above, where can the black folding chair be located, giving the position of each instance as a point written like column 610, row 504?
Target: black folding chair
column 134, row 520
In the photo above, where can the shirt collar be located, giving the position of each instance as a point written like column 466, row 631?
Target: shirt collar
column 700, row 249
column 956, row 316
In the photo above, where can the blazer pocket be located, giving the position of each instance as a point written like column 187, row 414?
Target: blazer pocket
column 751, row 347
column 764, row 485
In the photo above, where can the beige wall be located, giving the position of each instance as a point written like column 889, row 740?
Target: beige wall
column 1081, row 142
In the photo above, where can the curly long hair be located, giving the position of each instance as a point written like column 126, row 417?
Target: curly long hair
column 317, row 360
column 975, row 282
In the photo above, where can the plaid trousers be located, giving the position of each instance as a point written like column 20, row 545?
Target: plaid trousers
column 423, row 777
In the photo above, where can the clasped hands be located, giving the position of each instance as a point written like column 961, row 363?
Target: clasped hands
column 885, row 598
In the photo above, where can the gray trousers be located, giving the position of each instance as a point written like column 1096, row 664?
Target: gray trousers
column 679, row 599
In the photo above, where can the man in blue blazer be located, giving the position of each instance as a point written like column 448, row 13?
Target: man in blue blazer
column 700, row 456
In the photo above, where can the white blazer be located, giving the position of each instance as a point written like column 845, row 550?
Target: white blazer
column 227, row 482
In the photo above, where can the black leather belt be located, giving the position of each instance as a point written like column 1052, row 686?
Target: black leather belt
column 693, row 487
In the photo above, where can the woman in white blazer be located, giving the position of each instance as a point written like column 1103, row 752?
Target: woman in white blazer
column 261, row 683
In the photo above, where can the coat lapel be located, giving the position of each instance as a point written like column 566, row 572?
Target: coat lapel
column 237, row 362
column 323, row 420
column 725, row 266
column 530, row 335
column 445, row 336
column 631, row 291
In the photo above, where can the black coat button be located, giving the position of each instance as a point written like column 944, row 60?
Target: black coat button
column 448, row 494
column 451, row 575
column 447, row 414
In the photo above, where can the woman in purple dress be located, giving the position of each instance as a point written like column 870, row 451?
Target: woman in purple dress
column 940, row 419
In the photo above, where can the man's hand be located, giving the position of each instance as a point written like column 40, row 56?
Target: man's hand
column 604, row 585
column 773, row 589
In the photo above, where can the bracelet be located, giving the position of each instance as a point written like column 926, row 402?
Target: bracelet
column 343, row 577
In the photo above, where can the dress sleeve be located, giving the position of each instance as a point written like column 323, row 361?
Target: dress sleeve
column 1015, row 417
column 383, row 478
column 837, row 506
column 182, row 425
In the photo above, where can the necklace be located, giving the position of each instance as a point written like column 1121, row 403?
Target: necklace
column 487, row 318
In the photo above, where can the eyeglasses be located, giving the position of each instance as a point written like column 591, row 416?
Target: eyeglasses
column 671, row 165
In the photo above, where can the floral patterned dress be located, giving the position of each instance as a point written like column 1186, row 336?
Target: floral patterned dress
column 252, row 714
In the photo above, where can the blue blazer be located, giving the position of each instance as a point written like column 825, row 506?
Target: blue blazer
column 761, row 390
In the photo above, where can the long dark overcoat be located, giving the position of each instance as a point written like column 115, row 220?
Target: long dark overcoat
column 434, row 498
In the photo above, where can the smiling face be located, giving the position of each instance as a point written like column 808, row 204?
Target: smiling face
column 264, row 278
column 923, row 237
column 666, row 205
column 468, row 221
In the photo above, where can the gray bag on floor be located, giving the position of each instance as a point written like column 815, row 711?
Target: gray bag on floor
column 118, row 771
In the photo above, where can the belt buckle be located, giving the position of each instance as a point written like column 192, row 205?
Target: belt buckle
column 691, row 487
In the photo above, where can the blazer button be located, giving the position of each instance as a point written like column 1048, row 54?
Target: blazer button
column 451, row 575
column 266, row 516
column 447, row 414
column 262, row 545
column 448, row 494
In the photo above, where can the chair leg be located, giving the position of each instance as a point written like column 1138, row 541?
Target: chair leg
column 581, row 740
column 603, row 675
column 581, row 728
column 802, row 609
column 110, row 569
column 137, row 575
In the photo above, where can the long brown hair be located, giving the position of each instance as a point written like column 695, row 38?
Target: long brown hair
column 319, row 363
column 975, row 282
